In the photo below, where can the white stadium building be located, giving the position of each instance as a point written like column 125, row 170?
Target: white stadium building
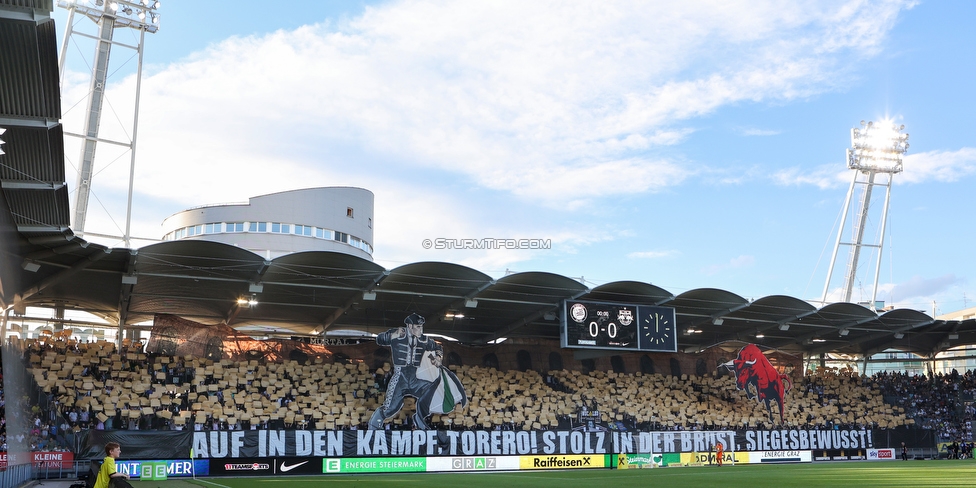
column 336, row 219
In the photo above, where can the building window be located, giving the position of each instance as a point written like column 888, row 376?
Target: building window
column 349, row 212
column 276, row 227
column 235, row 226
column 212, row 228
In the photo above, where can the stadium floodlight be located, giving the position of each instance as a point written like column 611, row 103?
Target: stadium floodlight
column 109, row 17
column 899, row 335
column 124, row 13
column 877, row 147
column 2, row 130
column 760, row 335
column 876, row 154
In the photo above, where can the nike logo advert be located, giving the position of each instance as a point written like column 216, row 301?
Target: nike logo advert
column 286, row 468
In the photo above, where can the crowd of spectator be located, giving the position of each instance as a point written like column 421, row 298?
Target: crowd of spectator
column 43, row 431
column 941, row 402
column 96, row 386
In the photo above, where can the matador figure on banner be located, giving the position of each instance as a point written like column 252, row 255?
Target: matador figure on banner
column 417, row 372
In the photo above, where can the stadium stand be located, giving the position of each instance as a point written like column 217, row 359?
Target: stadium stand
column 933, row 400
column 98, row 387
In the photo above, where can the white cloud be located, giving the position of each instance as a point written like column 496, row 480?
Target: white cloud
column 918, row 287
column 752, row 131
column 559, row 104
column 652, row 254
column 941, row 166
column 743, row 261
column 823, row 177
column 507, row 95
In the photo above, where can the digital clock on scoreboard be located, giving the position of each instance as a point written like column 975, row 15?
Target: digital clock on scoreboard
column 604, row 325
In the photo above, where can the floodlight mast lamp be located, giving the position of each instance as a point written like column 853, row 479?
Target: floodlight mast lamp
column 877, row 150
column 109, row 15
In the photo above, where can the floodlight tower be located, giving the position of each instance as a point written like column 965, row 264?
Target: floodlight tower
column 875, row 156
column 142, row 15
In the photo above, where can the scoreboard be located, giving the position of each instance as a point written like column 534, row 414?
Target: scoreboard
column 618, row 326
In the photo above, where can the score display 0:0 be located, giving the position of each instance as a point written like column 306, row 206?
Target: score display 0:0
column 611, row 329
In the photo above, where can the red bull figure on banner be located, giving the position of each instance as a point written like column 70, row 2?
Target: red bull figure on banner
column 753, row 368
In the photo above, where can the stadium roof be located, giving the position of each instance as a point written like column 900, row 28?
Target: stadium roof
column 312, row 292
column 42, row 263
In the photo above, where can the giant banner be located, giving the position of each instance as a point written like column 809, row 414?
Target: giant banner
column 374, row 443
column 384, row 443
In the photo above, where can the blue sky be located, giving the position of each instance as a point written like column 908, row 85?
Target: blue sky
column 688, row 146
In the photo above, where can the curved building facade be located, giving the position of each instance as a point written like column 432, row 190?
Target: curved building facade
column 312, row 219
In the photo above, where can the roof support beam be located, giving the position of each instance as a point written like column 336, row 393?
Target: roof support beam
column 461, row 303
column 30, row 185
column 259, row 275
column 945, row 337
column 352, row 300
column 528, row 319
column 876, row 336
column 800, row 339
column 772, row 324
column 54, row 251
column 719, row 314
column 80, row 265
column 125, row 291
